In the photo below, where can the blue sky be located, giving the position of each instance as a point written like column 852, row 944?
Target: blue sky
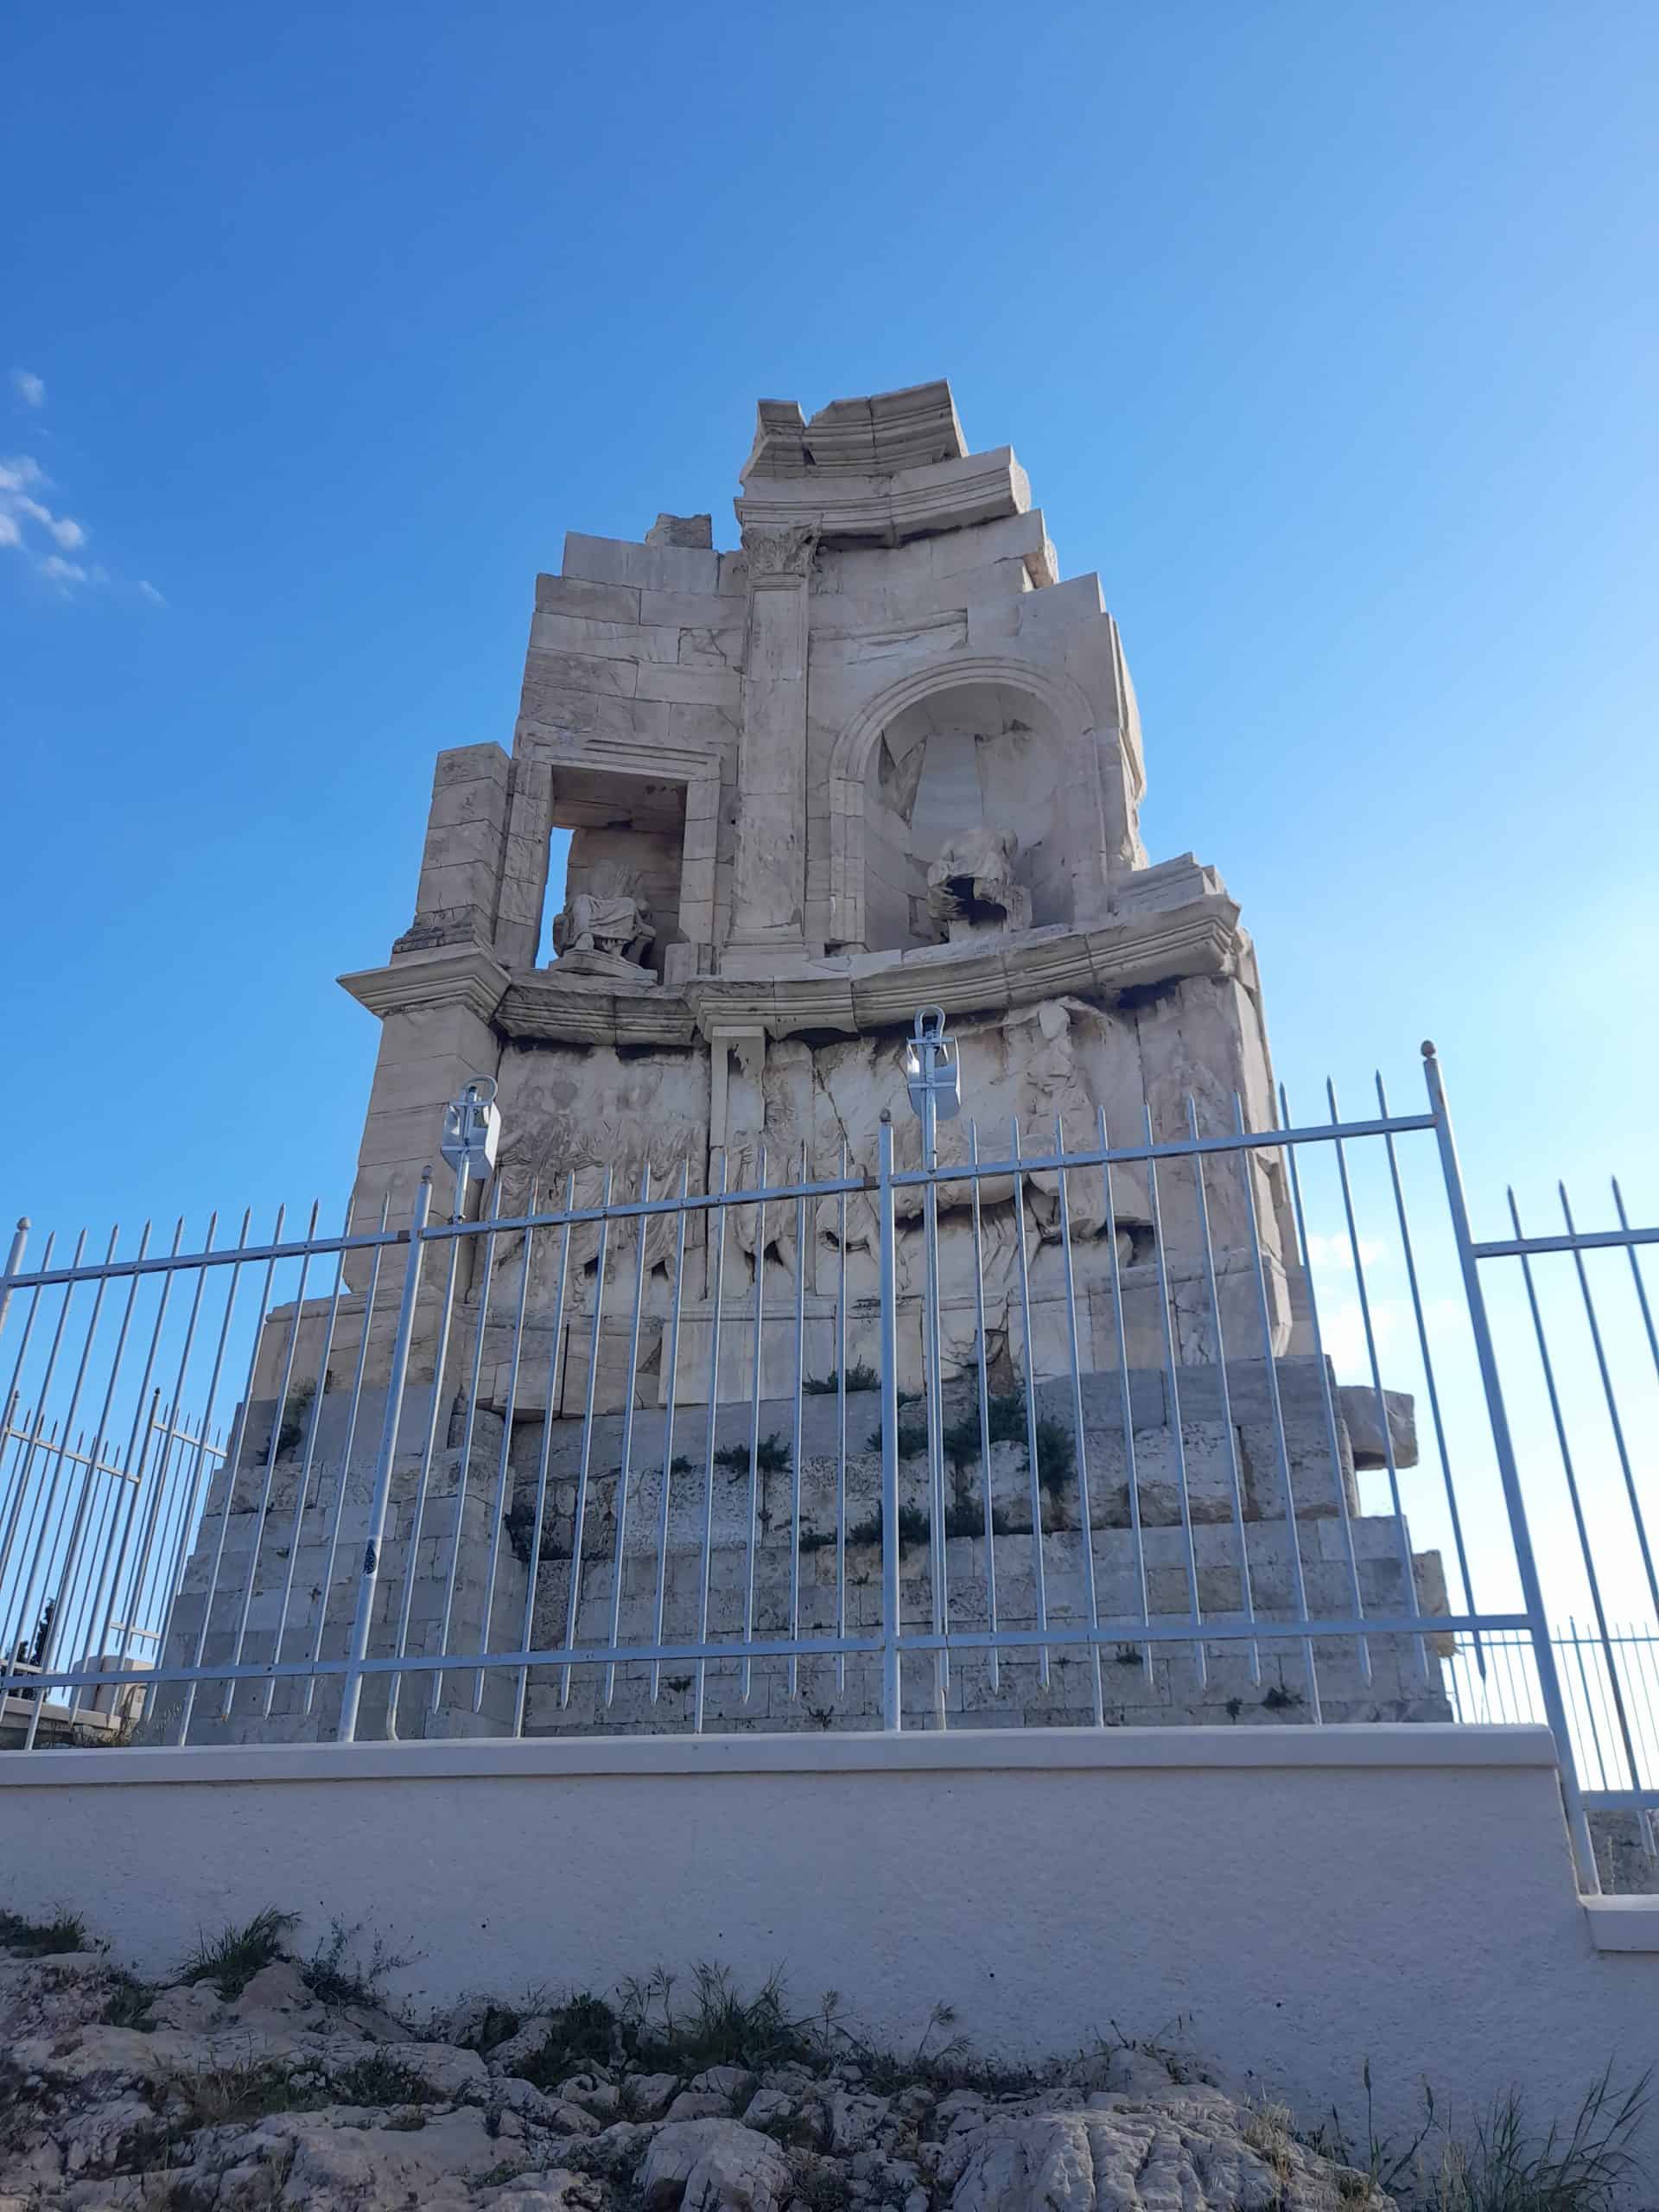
column 1326, row 334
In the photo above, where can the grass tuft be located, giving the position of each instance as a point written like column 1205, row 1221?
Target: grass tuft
column 42, row 1938
column 771, row 1455
column 583, row 2033
column 231, row 1960
column 859, row 1377
column 335, row 1977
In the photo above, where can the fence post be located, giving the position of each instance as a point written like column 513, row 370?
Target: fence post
column 1550, row 1682
column 351, row 1690
column 892, row 1671
column 14, row 1267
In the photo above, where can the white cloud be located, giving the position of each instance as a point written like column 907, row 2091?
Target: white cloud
column 29, row 388
column 29, row 526
column 66, row 532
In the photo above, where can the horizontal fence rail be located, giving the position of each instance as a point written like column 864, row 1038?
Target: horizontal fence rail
column 1203, row 1419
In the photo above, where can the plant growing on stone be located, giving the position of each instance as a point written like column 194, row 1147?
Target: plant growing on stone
column 232, row 1958
column 335, row 1978
column 378, row 2080
column 770, row 1455
column 42, row 1938
column 296, row 1407
column 859, row 1377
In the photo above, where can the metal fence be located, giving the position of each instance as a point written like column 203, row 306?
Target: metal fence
column 1039, row 1424
column 1611, row 1686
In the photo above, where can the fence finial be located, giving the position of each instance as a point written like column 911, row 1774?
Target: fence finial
column 1428, row 1048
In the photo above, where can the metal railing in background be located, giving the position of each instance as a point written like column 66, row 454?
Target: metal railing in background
column 1611, row 1684
column 1594, row 1432
column 605, row 1464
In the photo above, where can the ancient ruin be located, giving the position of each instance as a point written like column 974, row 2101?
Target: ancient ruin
column 877, row 754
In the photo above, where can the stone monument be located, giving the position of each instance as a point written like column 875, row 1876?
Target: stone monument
column 875, row 755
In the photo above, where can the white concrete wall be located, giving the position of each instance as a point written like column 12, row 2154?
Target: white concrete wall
column 1304, row 1898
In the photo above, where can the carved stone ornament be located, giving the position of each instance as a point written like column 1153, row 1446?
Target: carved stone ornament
column 780, row 552
column 970, row 886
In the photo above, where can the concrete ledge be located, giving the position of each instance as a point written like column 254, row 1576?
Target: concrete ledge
column 1623, row 1923
column 1304, row 1898
column 1413, row 1747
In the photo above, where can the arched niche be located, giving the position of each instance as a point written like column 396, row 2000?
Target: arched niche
column 983, row 745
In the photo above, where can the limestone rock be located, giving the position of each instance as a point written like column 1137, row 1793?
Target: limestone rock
column 768, row 2109
column 525, row 2043
column 712, row 2165
column 1186, row 2147
column 381, row 2168
column 651, row 2094
column 277, row 1997
column 700, row 2104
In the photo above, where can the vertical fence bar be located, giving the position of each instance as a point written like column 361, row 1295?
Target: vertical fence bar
column 717, row 1276
column 504, row 1464
column 353, row 1405
column 892, row 1658
column 664, row 1501
column 1039, row 1581
column 1305, row 1253
column 1402, row 1535
column 1612, row 1397
column 981, row 1381
column 423, row 1481
column 303, row 1482
column 1569, row 1469
column 626, row 1471
column 1090, row 1596
column 374, row 1540
column 527, row 1625
column 1213, row 1295
column 1275, row 1407
column 147, row 1540
column 840, row 1428
column 42, row 1554
column 228, row 1467
column 1427, row 1357
column 755, row 1422
column 801, row 1250
column 485, row 1274
column 1172, row 1408
column 938, row 1588
column 273, row 1444
column 1126, row 1399
column 1508, row 1474
column 13, row 1265
column 579, row 1523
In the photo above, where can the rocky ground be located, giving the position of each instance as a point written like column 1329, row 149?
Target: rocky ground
column 246, row 2085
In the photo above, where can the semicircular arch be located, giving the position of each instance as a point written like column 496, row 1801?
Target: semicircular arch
column 1064, row 705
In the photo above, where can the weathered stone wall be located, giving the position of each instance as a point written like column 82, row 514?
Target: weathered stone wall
column 758, row 1580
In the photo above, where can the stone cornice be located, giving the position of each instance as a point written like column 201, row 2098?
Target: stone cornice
column 463, row 975
column 888, row 510
column 863, row 992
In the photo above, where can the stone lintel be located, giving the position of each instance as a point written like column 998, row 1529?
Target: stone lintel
column 888, row 510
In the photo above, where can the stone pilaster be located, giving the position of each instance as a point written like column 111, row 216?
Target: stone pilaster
column 769, row 879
